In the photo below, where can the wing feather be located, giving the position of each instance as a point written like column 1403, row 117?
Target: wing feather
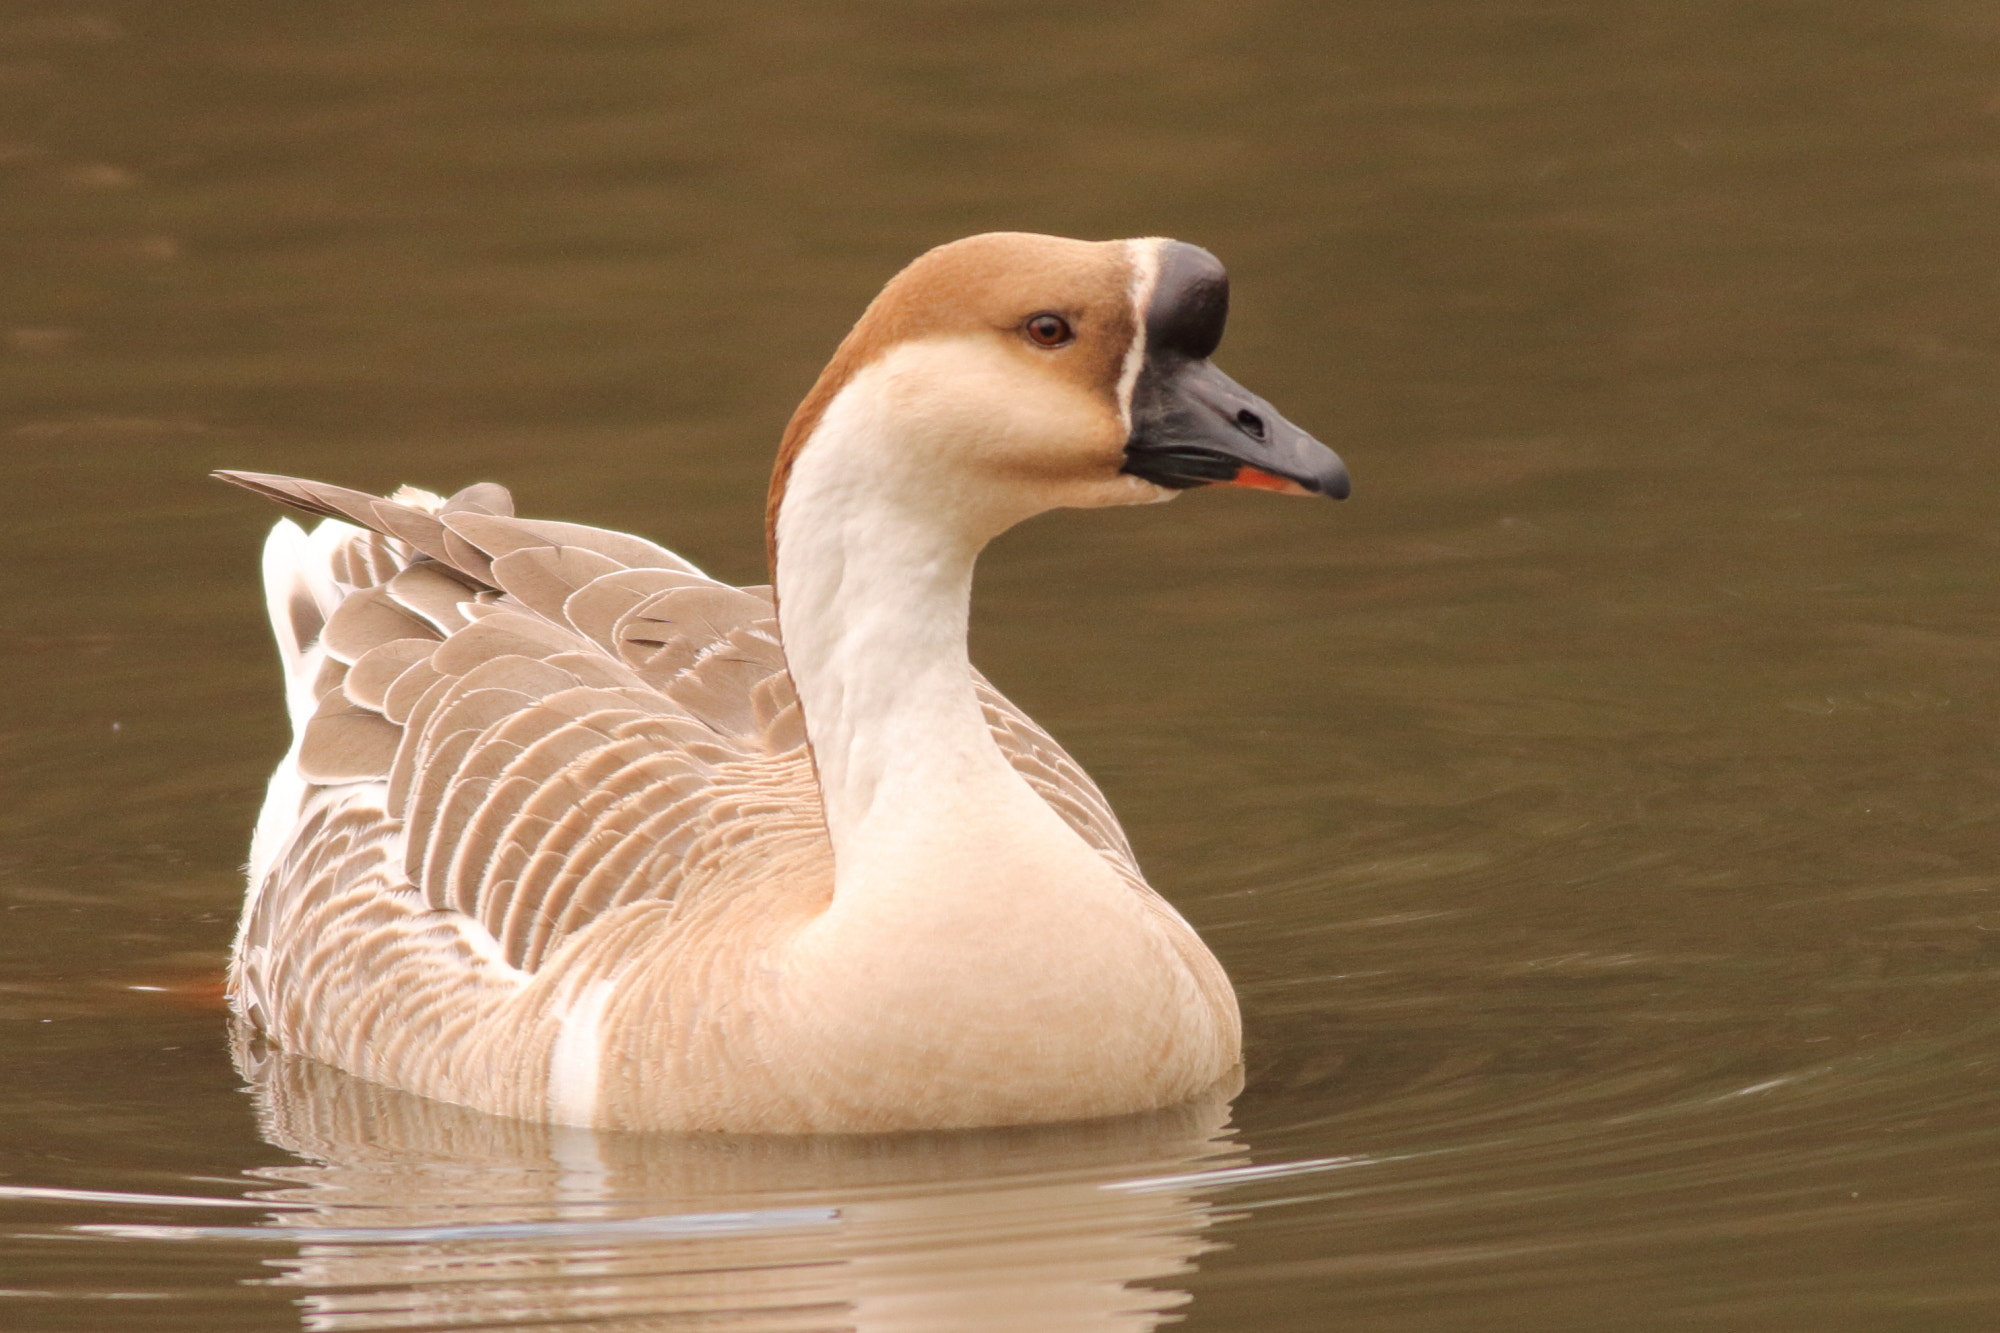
column 516, row 728
column 367, row 619
column 421, row 530
column 481, row 497
column 596, row 608
column 433, row 591
column 344, row 742
column 377, row 671
column 499, row 536
column 543, row 577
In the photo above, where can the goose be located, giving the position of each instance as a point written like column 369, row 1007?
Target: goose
column 571, row 832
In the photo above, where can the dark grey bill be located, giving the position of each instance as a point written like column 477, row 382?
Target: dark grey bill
column 1191, row 424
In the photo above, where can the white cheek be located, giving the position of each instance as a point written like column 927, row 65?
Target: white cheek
column 964, row 426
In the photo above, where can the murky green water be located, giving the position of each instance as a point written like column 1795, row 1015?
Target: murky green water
column 1600, row 813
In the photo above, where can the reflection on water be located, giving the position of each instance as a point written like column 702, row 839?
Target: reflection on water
column 433, row 1215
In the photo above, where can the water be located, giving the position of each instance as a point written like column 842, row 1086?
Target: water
column 1597, row 813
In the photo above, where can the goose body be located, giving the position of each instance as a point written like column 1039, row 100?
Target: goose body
column 571, row 832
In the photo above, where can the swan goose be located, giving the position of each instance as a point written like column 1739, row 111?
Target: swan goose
column 571, row 832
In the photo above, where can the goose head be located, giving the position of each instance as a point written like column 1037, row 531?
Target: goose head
column 1008, row 374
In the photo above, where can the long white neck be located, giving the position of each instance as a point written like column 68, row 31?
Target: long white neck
column 975, row 943
column 874, row 585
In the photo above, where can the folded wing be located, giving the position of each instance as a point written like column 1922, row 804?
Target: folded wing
column 552, row 721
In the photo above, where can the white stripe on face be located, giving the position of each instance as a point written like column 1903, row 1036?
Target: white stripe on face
column 1144, row 256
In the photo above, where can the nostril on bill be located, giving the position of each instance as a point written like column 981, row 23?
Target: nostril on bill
column 1250, row 423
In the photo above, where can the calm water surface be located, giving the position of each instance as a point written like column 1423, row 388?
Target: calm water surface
column 1600, row 813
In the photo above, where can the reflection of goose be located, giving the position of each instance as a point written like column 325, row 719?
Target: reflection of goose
column 437, row 1216
column 558, row 840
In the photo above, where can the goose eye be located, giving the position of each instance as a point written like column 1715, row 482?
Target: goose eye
column 1048, row 330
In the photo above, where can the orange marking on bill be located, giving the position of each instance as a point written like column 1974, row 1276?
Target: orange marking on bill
column 1257, row 479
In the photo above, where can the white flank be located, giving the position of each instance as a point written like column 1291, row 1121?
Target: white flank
column 284, row 795
column 574, row 1060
